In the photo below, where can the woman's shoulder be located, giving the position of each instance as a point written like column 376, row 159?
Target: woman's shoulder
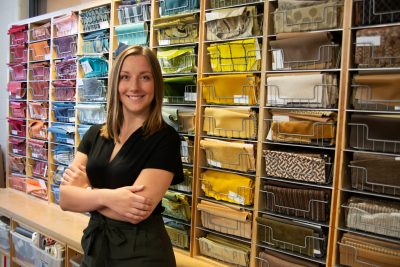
column 94, row 130
column 169, row 130
column 166, row 133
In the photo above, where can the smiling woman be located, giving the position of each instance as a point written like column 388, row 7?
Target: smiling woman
column 130, row 161
column 136, row 87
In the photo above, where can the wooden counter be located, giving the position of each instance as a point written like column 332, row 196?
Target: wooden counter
column 64, row 226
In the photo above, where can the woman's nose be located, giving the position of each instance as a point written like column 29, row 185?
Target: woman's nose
column 134, row 84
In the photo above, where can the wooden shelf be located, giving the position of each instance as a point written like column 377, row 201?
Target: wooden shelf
column 47, row 217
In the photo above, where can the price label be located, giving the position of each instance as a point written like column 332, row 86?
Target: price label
column 190, row 96
column 104, row 24
column 86, row 67
column 241, row 99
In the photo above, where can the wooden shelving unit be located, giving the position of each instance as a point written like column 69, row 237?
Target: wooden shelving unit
column 341, row 153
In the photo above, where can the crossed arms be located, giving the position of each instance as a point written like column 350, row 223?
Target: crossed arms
column 131, row 203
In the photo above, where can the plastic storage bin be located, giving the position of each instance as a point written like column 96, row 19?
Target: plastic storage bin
column 38, row 149
column 41, row 32
column 39, row 110
column 66, row 25
column 17, row 182
column 40, row 71
column 171, row 7
column 66, row 68
column 19, row 54
column 91, row 114
column 96, row 42
column 64, row 112
column 18, row 72
column 63, row 154
column 63, row 133
column 18, row 34
column 43, row 259
column 39, row 90
column 17, row 127
column 38, row 169
column 65, row 46
column 23, row 248
column 95, row 18
column 4, row 236
column 94, row 66
column 18, row 109
column 64, row 90
column 16, row 90
column 17, row 145
column 17, row 164
column 37, row 129
column 92, row 90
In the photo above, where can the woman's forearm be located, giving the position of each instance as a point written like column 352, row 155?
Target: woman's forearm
column 116, row 216
column 78, row 199
column 123, row 201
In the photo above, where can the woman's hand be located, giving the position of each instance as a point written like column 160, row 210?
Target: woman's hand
column 75, row 176
column 127, row 204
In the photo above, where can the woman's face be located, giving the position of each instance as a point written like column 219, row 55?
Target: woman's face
column 136, row 86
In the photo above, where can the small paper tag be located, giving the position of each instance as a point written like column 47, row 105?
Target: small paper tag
column 164, row 42
column 14, row 132
column 47, row 57
column 397, row 158
column 396, row 107
column 86, row 67
column 184, row 148
column 214, row 163
column 368, row 41
column 241, row 99
column 35, row 155
column 15, row 150
column 236, row 198
column 203, row 187
column 258, row 50
column 104, row 24
column 277, row 60
column 185, row 159
column 190, row 96
column 42, row 134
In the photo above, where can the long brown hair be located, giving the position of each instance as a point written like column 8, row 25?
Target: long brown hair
column 114, row 121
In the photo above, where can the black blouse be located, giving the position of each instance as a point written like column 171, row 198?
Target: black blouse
column 160, row 150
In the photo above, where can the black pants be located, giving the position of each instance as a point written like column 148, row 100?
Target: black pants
column 110, row 243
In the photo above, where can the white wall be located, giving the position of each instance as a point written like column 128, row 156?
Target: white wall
column 10, row 11
column 53, row 5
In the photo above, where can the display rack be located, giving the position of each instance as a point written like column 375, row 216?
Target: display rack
column 258, row 156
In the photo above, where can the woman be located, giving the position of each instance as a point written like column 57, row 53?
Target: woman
column 130, row 161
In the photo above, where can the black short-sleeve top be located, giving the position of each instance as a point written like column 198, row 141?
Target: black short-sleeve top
column 160, row 150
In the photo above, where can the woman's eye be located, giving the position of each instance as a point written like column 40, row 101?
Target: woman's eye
column 123, row 77
column 145, row 77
